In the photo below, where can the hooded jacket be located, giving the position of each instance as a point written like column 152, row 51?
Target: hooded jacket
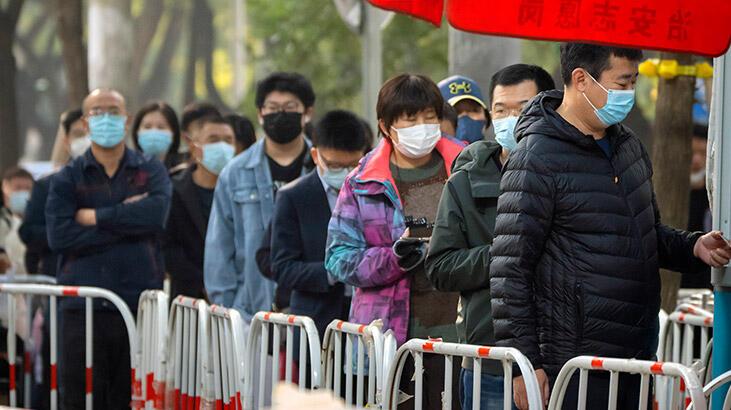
column 459, row 250
column 578, row 244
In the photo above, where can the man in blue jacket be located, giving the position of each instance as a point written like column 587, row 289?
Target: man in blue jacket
column 105, row 212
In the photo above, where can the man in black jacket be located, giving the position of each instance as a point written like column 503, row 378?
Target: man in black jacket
column 459, row 250
column 301, row 215
column 211, row 145
column 579, row 239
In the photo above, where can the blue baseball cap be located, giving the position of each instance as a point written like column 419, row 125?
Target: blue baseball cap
column 458, row 87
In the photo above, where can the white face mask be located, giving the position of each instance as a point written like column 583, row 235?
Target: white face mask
column 417, row 141
column 79, row 146
column 698, row 178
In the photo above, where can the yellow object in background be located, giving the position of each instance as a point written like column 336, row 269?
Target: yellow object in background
column 670, row 69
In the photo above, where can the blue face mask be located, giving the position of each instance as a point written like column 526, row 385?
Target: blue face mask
column 335, row 178
column 18, row 201
column 107, row 130
column 216, row 156
column 619, row 104
column 470, row 130
column 155, row 141
column 505, row 132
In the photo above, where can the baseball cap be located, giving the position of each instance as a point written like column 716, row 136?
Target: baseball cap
column 458, row 87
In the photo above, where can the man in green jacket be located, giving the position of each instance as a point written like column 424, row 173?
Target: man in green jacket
column 459, row 250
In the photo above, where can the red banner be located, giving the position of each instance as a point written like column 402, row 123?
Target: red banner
column 699, row 27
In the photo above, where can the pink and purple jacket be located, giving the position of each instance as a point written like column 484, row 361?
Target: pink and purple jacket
column 365, row 223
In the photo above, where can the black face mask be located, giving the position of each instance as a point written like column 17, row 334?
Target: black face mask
column 283, row 127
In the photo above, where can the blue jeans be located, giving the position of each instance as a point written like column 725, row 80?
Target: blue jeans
column 491, row 391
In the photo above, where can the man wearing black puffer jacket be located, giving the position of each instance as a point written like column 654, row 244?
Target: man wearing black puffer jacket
column 579, row 240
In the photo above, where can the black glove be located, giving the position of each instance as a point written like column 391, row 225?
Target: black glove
column 410, row 252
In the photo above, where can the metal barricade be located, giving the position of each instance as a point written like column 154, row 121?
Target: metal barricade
column 258, row 346
column 152, row 322
column 227, row 359
column 53, row 292
column 187, row 354
column 417, row 348
column 644, row 368
column 714, row 385
column 28, row 342
column 369, row 339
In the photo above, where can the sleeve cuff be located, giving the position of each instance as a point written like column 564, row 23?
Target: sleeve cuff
column 105, row 216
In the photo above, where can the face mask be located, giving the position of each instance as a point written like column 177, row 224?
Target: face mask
column 216, row 156
column 335, row 179
column 505, row 132
column 417, row 141
column 79, row 146
column 283, row 127
column 619, row 104
column 470, row 130
column 697, row 178
column 18, row 201
column 155, row 141
column 107, row 130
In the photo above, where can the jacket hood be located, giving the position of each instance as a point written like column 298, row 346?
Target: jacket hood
column 477, row 161
column 540, row 117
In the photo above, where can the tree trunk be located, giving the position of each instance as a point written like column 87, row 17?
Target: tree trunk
column 110, row 45
column 157, row 83
column 145, row 28
column 671, row 156
column 70, row 28
column 9, row 132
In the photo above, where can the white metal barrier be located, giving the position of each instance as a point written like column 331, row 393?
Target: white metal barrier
column 28, row 342
column 370, row 340
column 506, row 355
column 187, row 354
column 152, row 322
column 616, row 366
column 227, row 359
column 53, row 292
column 714, row 385
column 258, row 346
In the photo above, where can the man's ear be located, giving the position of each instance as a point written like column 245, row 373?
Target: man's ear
column 315, row 156
column 309, row 113
column 580, row 79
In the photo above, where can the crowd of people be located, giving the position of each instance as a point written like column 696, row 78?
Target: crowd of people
column 547, row 239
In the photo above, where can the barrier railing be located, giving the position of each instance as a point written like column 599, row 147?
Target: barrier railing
column 28, row 342
column 369, row 340
column 258, row 347
column 714, row 385
column 644, row 368
column 152, row 322
column 417, row 348
column 187, row 354
column 227, row 359
column 53, row 292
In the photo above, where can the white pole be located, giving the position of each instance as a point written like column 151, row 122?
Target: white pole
column 372, row 61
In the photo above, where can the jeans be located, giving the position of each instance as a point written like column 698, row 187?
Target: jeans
column 491, row 391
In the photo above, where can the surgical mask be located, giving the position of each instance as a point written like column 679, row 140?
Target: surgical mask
column 697, row 178
column 78, row 146
column 155, row 141
column 470, row 130
column 505, row 132
column 417, row 141
column 335, row 178
column 216, row 156
column 18, row 201
column 619, row 104
column 107, row 130
column 282, row 127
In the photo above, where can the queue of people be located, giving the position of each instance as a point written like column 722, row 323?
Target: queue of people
column 547, row 239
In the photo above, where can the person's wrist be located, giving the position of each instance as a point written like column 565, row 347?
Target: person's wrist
column 696, row 247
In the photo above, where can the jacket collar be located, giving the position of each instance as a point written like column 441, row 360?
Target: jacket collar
column 257, row 153
column 130, row 159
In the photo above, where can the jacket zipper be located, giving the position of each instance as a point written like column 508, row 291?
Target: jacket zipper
column 579, row 295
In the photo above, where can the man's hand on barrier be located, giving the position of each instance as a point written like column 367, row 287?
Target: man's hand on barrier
column 86, row 217
column 520, row 396
column 713, row 249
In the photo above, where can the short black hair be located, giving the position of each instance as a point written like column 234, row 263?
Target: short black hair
column 700, row 131
column 69, row 118
column 170, row 117
column 408, row 94
column 16, row 172
column 341, row 130
column 215, row 119
column 195, row 111
column 517, row 73
column 591, row 57
column 450, row 114
column 243, row 129
column 294, row 83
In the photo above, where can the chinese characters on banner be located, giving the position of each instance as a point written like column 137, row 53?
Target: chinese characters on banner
column 673, row 25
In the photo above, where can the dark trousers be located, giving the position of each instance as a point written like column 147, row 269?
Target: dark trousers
column 111, row 371
column 597, row 395
column 433, row 382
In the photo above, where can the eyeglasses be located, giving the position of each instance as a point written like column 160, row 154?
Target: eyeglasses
column 101, row 111
column 274, row 107
column 501, row 113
